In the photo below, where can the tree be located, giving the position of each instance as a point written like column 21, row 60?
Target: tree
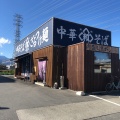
column 3, row 67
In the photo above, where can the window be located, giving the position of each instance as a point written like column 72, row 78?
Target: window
column 26, row 64
column 102, row 62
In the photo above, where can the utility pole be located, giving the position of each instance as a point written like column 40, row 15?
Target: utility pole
column 18, row 24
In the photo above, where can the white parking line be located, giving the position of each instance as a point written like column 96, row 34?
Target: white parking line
column 105, row 100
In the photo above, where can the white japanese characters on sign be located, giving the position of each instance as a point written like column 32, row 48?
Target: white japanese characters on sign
column 101, row 40
column 31, row 42
column 45, row 34
column 84, row 35
column 61, row 31
column 72, row 34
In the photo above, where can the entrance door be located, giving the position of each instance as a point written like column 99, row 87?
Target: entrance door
column 42, row 71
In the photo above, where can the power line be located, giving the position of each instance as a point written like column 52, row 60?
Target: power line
column 44, row 10
column 106, row 21
column 92, row 9
column 48, row 10
column 112, row 25
column 101, row 15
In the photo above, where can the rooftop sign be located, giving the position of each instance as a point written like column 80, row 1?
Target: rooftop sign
column 36, row 40
column 68, row 33
column 63, row 33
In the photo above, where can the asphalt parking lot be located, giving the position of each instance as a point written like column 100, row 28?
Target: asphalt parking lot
column 21, row 100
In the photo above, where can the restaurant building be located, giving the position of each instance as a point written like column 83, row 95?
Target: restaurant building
column 80, row 53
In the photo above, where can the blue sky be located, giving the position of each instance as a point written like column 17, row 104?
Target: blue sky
column 104, row 14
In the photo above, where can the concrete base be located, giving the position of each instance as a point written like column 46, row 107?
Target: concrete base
column 62, row 88
column 40, row 83
column 80, row 93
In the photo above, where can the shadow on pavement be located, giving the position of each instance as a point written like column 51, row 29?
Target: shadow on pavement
column 3, row 108
column 4, row 79
column 113, row 93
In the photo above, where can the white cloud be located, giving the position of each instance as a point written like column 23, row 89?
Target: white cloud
column 1, row 53
column 4, row 41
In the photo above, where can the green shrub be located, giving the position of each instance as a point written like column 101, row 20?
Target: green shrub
column 6, row 72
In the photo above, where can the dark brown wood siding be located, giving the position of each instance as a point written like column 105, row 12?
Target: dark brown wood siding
column 89, row 70
column 100, row 80
column 45, row 52
column 115, row 64
column 97, row 81
column 119, row 69
column 59, row 56
column 75, row 66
